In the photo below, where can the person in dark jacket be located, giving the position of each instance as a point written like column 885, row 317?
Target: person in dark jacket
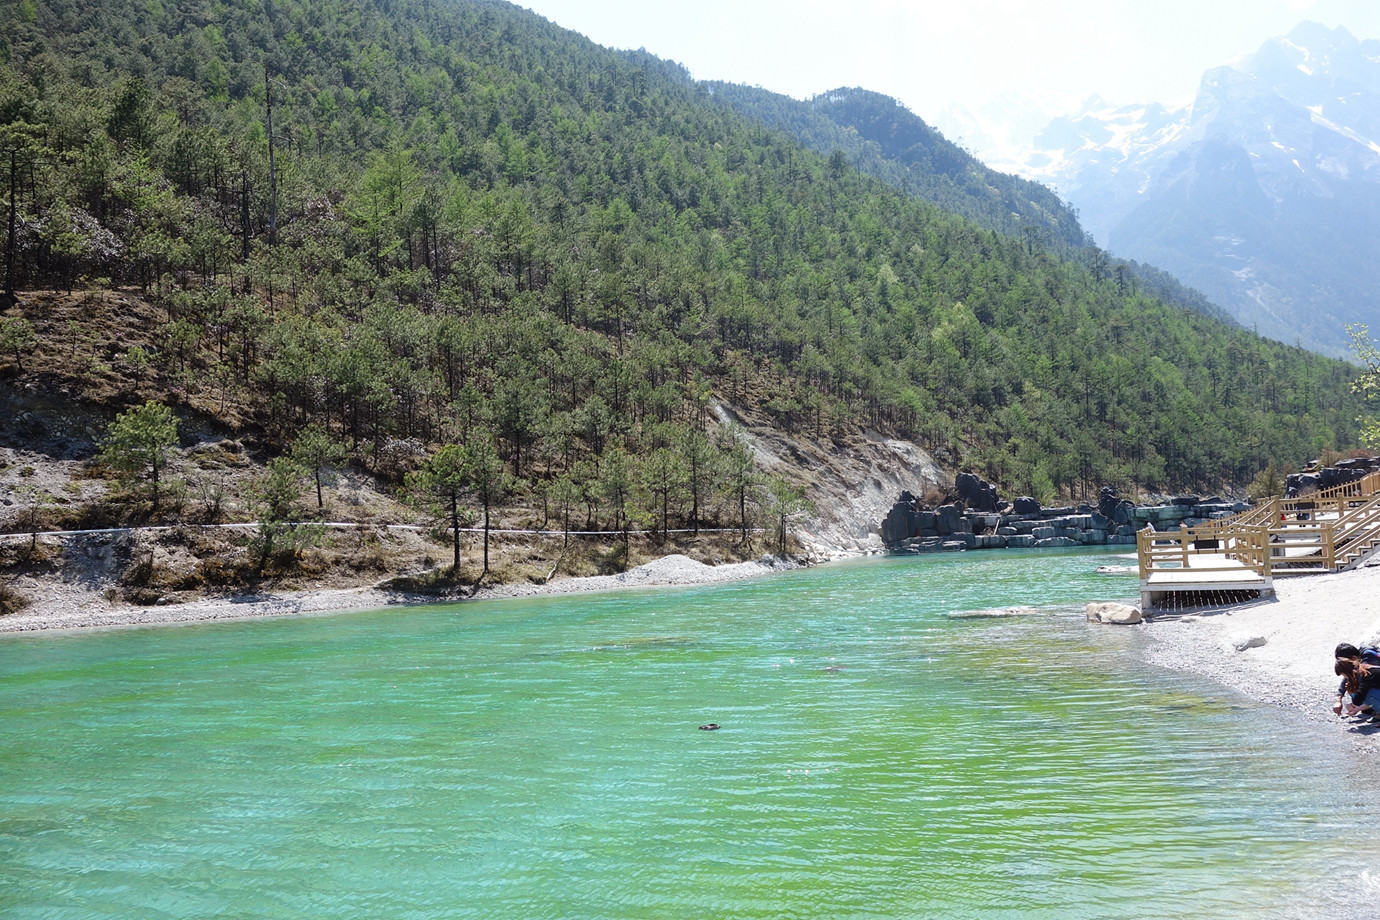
column 1360, row 679
column 1345, row 651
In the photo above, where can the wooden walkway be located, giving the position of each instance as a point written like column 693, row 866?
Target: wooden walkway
column 1238, row 558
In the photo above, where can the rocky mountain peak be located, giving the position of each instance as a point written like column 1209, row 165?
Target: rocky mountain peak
column 1263, row 193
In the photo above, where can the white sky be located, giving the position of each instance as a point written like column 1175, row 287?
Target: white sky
column 987, row 72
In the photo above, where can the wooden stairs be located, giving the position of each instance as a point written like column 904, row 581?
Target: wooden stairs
column 1335, row 530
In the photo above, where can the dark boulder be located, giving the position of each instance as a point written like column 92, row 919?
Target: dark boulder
column 949, row 519
column 1336, row 476
column 897, row 525
column 1106, row 502
column 977, row 493
column 1025, row 505
column 1296, row 484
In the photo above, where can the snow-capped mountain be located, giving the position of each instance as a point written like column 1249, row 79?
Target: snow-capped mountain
column 1264, row 193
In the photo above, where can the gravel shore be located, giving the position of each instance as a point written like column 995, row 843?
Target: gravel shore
column 63, row 606
column 1300, row 628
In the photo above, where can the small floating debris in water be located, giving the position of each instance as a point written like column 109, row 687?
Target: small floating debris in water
column 836, row 667
column 639, row 642
column 1118, row 570
column 993, row 612
column 710, row 727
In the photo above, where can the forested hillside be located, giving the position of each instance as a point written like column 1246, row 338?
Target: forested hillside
column 431, row 221
column 883, row 138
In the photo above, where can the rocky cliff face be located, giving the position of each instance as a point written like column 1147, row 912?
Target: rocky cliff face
column 852, row 484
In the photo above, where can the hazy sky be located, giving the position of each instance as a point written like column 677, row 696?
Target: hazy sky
column 989, row 72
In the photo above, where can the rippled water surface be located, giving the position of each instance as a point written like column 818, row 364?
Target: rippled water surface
column 542, row 758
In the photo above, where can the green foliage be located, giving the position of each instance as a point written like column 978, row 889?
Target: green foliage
column 316, row 452
column 139, row 443
column 485, row 477
column 441, row 486
column 17, row 337
column 1368, row 384
column 857, row 128
column 280, row 536
column 786, row 501
column 278, row 491
column 457, row 473
column 487, row 223
column 32, row 502
column 1268, row 483
column 742, row 482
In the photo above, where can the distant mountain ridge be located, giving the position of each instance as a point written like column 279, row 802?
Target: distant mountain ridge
column 1264, row 193
column 881, row 137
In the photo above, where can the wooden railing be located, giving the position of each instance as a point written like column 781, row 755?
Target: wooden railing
column 1323, row 532
column 1364, row 487
column 1204, row 550
column 1268, row 511
column 1356, row 533
column 1263, row 514
column 1312, row 544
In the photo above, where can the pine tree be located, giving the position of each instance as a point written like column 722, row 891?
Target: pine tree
column 139, row 443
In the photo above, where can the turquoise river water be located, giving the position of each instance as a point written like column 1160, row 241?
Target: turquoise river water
column 542, row 758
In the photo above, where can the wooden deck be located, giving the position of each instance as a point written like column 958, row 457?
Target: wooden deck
column 1205, row 574
column 1238, row 558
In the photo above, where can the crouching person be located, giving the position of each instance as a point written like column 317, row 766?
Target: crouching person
column 1362, row 682
column 1345, row 651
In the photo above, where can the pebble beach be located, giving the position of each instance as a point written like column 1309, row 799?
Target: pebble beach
column 1300, row 627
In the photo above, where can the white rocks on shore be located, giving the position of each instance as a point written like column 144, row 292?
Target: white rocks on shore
column 1243, row 641
column 1299, row 629
column 68, row 606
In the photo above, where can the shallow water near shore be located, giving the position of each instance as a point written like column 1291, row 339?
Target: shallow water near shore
column 526, row 758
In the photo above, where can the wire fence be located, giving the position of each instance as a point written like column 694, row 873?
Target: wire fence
column 349, row 525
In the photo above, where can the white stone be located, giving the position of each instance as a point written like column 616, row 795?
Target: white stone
column 1113, row 613
column 1243, row 641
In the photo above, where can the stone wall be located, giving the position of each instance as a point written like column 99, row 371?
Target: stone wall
column 910, row 528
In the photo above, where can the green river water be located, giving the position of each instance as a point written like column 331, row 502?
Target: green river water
column 542, row 758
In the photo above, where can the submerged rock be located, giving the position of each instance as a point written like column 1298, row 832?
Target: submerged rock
column 991, row 612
